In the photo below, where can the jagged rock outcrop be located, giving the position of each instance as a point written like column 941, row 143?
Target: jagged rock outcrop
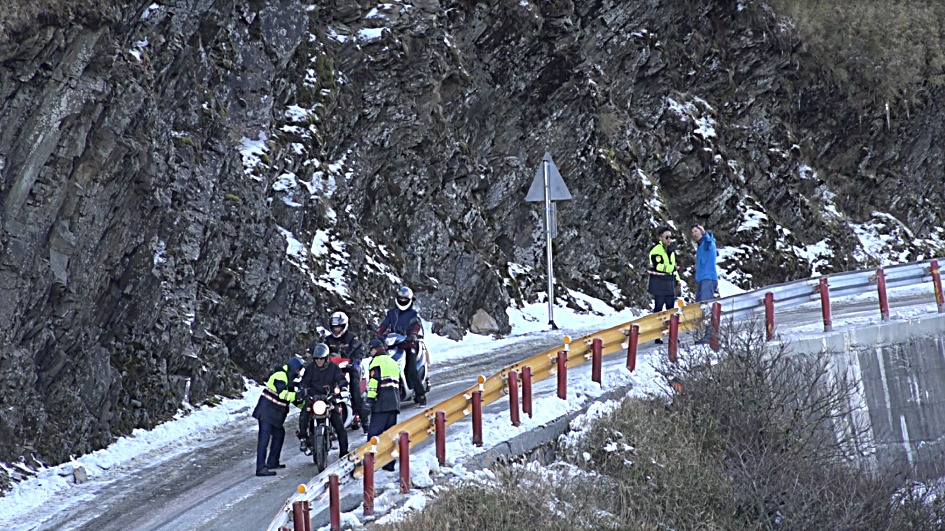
column 187, row 188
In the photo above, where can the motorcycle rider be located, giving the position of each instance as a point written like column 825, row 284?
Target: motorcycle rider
column 271, row 411
column 404, row 319
column 322, row 377
column 383, row 391
column 343, row 343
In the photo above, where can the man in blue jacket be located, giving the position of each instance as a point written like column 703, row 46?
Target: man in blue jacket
column 707, row 278
column 404, row 319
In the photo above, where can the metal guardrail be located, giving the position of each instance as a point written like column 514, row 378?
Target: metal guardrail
column 793, row 294
column 543, row 365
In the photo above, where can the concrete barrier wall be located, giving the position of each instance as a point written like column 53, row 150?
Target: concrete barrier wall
column 900, row 367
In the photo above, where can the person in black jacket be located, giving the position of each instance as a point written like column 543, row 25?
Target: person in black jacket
column 322, row 377
column 343, row 343
column 271, row 411
column 404, row 319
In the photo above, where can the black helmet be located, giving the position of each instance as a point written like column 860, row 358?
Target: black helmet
column 339, row 324
column 375, row 343
column 404, row 298
column 320, row 351
column 295, row 364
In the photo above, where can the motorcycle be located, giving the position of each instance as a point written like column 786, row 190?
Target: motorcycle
column 320, row 434
column 395, row 347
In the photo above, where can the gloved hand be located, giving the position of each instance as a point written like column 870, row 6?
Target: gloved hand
column 302, row 395
column 412, row 338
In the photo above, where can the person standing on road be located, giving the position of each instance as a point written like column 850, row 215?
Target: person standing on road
column 663, row 274
column 404, row 319
column 383, row 392
column 707, row 277
column 271, row 411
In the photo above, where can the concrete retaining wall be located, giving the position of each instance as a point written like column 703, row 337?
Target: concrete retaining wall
column 901, row 369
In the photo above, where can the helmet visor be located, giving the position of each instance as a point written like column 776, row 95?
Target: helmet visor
column 403, row 301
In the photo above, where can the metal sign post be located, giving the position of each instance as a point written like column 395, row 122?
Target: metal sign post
column 548, row 186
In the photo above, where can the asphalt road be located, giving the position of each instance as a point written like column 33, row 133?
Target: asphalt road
column 212, row 485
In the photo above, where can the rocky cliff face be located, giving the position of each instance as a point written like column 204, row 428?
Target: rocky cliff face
column 186, row 187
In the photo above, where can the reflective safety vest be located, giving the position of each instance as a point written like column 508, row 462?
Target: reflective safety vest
column 384, row 383
column 663, row 274
column 661, row 262
column 273, row 404
column 277, row 388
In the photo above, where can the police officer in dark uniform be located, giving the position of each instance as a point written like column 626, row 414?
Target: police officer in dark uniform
column 663, row 274
column 343, row 343
column 322, row 377
column 271, row 411
column 383, row 391
column 404, row 319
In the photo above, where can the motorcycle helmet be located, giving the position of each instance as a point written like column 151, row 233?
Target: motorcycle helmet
column 320, row 351
column 404, row 298
column 339, row 324
column 295, row 365
column 375, row 343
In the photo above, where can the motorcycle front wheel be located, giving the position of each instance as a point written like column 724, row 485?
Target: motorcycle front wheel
column 320, row 450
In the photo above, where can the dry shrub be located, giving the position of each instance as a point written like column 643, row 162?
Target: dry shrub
column 526, row 500
column 895, row 50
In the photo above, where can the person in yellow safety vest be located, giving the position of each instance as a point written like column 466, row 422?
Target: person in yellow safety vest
column 271, row 411
column 383, row 391
column 663, row 274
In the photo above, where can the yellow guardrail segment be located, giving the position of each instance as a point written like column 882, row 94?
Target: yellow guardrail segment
column 543, row 365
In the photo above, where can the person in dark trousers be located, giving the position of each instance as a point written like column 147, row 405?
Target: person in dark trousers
column 343, row 343
column 322, row 377
column 271, row 411
column 383, row 391
column 404, row 319
column 663, row 274
column 707, row 278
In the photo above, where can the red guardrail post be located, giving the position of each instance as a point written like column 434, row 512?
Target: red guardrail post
column 825, row 304
column 441, row 437
column 632, row 343
column 301, row 516
column 334, row 503
column 298, row 517
column 527, row 390
column 477, row 417
column 369, row 479
column 937, row 284
column 673, row 336
column 716, row 325
column 881, row 288
column 769, row 316
column 404, row 450
column 597, row 354
column 513, row 398
column 562, row 375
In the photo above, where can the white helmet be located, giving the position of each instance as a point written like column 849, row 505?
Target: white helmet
column 339, row 324
column 404, row 298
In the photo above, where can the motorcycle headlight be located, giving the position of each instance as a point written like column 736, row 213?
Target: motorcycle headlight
column 319, row 408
